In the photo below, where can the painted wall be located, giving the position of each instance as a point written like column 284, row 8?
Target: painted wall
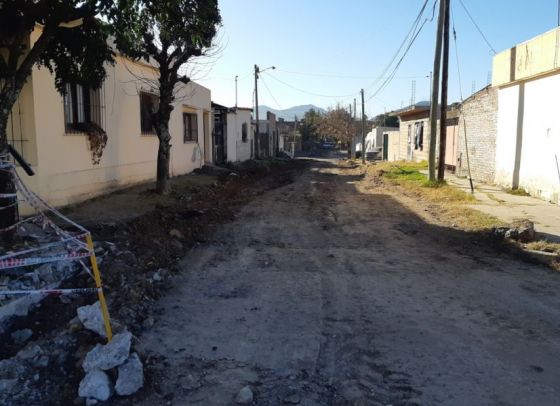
column 64, row 170
column 237, row 149
column 537, row 56
column 528, row 141
column 393, row 153
column 406, row 140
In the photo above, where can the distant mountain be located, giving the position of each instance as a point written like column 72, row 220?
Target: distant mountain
column 288, row 114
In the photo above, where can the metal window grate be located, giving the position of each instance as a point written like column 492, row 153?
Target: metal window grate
column 83, row 106
column 15, row 132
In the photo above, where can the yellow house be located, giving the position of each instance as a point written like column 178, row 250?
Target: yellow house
column 44, row 128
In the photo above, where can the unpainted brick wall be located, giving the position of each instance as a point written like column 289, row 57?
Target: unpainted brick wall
column 480, row 114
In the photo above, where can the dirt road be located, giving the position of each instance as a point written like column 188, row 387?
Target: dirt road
column 319, row 293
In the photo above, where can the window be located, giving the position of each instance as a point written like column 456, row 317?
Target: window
column 148, row 106
column 83, row 108
column 190, row 127
column 419, row 136
column 244, row 132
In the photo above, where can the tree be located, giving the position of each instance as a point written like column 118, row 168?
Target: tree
column 385, row 120
column 308, row 127
column 337, row 124
column 72, row 44
column 169, row 34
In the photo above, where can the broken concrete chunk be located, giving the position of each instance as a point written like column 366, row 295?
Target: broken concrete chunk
column 6, row 385
column 21, row 336
column 92, row 318
column 30, row 352
column 110, row 355
column 245, row 396
column 96, row 385
column 131, row 376
column 176, row 233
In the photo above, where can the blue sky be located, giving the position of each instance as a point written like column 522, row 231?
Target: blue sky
column 333, row 48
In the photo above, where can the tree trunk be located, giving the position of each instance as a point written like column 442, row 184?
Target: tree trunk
column 163, row 159
column 9, row 214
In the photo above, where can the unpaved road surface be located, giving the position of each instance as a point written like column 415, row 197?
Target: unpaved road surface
column 319, row 293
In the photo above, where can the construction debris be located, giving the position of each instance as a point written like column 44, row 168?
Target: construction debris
column 96, row 385
column 110, row 355
column 131, row 376
column 92, row 318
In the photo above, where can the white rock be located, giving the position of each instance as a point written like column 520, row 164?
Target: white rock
column 21, row 336
column 92, row 318
column 131, row 376
column 110, row 355
column 245, row 396
column 96, row 385
column 6, row 385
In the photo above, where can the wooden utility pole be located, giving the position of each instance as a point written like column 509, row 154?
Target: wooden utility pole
column 435, row 95
column 363, row 129
column 443, row 114
column 257, row 140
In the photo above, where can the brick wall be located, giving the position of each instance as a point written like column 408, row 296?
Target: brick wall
column 480, row 113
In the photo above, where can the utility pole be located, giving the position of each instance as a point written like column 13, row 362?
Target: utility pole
column 435, row 95
column 257, row 71
column 353, row 140
column 235, row 91
column 257, row 140
column 363, row 129
column 444, row 76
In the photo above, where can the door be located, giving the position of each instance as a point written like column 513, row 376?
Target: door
column 385, row 147
column 409, row 144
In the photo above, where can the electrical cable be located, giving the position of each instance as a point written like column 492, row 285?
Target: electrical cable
column 477, row 27
column 270, row 93
column 310, row 93
column 327, row 75
column 410, row 34
column 384, row 85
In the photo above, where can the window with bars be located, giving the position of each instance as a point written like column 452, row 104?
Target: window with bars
column 244, row 132
column 148, row 106
column 83, row 108
column 190, row 127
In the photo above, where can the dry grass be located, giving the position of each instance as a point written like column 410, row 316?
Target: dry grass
column 517, row 192
column 545, row 246
column 452, row 202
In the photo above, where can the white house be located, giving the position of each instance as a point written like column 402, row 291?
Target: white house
column 528, row 131
column 239, row 134
column 45, row 128
column 376, row 139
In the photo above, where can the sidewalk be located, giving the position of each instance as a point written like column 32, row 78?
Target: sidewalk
column 507, row 207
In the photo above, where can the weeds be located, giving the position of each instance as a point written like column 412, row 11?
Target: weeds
column 545, row 246
column 453, row 202
column 517, row 192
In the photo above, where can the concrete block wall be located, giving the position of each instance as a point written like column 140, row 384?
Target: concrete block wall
column 480, row 114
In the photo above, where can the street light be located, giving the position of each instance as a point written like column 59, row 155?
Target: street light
column 257, row 71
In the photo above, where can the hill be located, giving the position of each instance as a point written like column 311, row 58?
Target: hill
column 288, row 114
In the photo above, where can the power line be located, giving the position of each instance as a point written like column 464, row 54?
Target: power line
column 457, row 54
column 327, row 75
column 310, row 93
column 270, row 93
column 409, row 35
column 477, row 27
column 411, row 42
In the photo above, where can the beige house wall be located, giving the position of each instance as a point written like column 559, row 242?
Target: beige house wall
column 535, row 57
column 64, row 170
column 404, row 139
